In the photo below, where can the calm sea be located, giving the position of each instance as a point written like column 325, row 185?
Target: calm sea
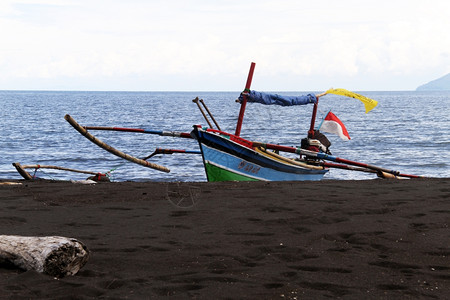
column 407, row 131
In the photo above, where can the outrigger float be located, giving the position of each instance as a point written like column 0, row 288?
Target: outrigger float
column 22, row 170
column 229, row 157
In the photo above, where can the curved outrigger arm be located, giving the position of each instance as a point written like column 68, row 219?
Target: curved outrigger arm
column 112, row 150
column 21, row 169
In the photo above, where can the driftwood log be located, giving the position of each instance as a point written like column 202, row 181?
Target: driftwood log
column 53, row 255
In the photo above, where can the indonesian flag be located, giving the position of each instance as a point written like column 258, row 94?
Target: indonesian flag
column 332, row 124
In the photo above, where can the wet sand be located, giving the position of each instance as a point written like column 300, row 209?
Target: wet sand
column 372, row 239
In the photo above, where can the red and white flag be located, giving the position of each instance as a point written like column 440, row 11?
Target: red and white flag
column 332, row 124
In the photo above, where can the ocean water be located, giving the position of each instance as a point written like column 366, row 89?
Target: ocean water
column 407, row 131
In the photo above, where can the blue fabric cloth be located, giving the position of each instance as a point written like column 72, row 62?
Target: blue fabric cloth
column 275, row 99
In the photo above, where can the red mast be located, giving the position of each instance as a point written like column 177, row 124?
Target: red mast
column 244, row 102
column 313, row 119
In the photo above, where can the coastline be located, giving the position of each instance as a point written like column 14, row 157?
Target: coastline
column 376, row 239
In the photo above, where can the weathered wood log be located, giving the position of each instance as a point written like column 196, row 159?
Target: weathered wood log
column 53, row 255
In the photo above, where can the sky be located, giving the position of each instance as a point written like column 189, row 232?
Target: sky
column 204, row 45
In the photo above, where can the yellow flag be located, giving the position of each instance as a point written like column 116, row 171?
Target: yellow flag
column 369, row 104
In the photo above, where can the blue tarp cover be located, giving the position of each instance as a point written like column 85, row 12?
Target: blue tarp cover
column 270, row 99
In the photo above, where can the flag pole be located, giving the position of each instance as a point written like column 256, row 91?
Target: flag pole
column 244, row 102
column 323, row 119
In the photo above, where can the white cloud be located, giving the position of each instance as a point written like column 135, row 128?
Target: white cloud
column 288, row 39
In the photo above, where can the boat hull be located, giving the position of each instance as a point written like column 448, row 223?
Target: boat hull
column 227, row 160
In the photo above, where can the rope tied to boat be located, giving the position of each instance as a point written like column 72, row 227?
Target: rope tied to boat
column 99, row 176
column 35, row 171
column 38, row 168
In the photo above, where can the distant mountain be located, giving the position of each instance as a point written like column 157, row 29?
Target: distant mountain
column 440, row 84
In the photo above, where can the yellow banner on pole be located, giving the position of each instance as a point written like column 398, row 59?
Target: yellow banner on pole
column 369, row 104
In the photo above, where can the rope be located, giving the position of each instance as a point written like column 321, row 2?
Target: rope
column 109, row 173
column 99, row 174
column 35, row 170
column 42, row 170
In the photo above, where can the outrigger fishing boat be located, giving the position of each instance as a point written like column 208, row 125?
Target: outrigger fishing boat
column 229, row 157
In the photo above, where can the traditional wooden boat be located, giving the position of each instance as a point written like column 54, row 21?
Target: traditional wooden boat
column 229, row 157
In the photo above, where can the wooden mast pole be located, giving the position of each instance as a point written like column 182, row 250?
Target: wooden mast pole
column 244, row 102
column 210, row 114
column 203, row 113
column 313, row 119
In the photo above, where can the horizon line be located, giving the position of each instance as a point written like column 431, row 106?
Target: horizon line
column 194, row 91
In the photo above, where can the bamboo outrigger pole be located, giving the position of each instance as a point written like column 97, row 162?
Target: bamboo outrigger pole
column 171, row 151
column 328, row 157
column 112, row 150
column 353, row 163
column 57, row 168
column 140, row 130
column 21, row 169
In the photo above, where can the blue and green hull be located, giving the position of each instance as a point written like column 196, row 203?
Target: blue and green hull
column 228, row 160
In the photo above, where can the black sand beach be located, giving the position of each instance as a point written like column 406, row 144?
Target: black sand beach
column 373, row 239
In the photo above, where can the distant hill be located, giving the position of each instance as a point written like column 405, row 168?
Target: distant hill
column 440, row 84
